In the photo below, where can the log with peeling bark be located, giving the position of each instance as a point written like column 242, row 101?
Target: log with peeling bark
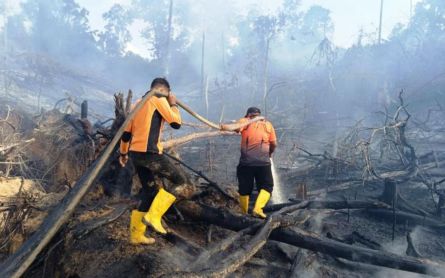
column 195, row 136
column 307, row 240
column 207, row 134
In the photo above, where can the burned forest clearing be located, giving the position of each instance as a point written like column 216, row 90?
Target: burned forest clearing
column 222, row 138
column 375, row 206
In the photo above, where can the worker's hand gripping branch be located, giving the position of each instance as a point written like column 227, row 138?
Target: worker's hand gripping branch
column 123, row 159
column 171, row 98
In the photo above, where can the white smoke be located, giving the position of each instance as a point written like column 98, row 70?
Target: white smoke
column 9, row 8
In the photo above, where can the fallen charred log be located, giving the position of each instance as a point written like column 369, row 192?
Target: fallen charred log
column 242, row 255
column 355, row 237
column 307, row 240
column 406, row 218
column 84, row 229
column 331, row 204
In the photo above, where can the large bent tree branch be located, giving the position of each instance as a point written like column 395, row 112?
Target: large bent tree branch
column 229, row 127
column 207, row 134
column 195, row 136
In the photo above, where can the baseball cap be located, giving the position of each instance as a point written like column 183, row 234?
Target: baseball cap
column 253, row 110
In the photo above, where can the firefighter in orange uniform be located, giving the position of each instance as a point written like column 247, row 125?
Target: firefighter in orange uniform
column 142, row 143
column 258, row 142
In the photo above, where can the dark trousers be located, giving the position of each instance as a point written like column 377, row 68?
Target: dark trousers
column 248, row 175
column 149, row 165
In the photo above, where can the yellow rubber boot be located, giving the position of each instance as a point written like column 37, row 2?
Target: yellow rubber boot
column 244, row 203
column 161, row 203
column 137, row 229
column 261, row 201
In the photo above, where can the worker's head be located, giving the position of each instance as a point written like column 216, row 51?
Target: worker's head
column 253, row 112
column 160, row 84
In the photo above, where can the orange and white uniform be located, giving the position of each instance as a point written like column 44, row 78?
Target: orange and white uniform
column 256, row 139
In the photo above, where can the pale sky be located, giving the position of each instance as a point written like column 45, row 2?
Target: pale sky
column 349, row 16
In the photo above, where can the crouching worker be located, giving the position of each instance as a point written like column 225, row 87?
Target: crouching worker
column 142, row 143
column 258, row 142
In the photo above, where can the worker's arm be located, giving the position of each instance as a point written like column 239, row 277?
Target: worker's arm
column 272, row 147
column 168, row 109
column 272, row 140
column 240, row 121
column 125, row 145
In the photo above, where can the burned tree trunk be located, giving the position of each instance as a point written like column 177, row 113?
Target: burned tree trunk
column 393, row 198
column 390, row 192
column 84, row 110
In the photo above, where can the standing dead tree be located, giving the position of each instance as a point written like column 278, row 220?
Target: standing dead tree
column 374, row 155
column 390, row 140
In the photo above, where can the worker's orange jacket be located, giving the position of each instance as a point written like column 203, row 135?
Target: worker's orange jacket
column 256, row 139
column 143, row 133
